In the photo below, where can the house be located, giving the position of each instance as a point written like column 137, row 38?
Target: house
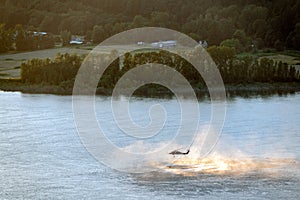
column 76, row 41
column 141, row 43
column 39, row 33
column 162, row 44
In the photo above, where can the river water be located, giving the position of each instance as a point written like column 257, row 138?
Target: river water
column 42, row 157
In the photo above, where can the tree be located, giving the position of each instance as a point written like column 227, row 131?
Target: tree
column 98, row 34
column 241, row 36
column 139, row 21
column 227, row 29
column 223, row 57
column 230, row 12
column 296, row 39
column 214, row 21
column 233, row 43
column 279, row 46
column 65, row 37
column 249, row 14
column 160, row 19
column 127, row 62
column 63, row 68
column 24, row 39
column 45, row 41
column 215, row 33
column 88, row 35
column 260, row 28
column 6, row 39
column 133, row 7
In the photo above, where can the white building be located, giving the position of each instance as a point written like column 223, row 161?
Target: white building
column 76, row 40
column 141, row 43
column 162, row 44
column 39, row 33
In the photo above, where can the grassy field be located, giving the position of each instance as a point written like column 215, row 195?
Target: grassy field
column 291, row 60
column 289, row 57
column 10, row 63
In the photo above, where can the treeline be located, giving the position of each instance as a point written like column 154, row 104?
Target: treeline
column 250, row 69
column 19, row 39
column 234, row 70
column 54, row 72
column 251, row 23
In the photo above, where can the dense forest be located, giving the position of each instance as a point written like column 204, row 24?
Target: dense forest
column 243, row 23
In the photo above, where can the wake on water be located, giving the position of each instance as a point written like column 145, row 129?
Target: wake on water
column 200, row 160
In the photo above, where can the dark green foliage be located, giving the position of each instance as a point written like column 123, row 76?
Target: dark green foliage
column 233, row 70
column 112, row 74
column 98, row 34
column 233, row 43
column 293, row 39
column 279, row 46
column 6, row 38
column 63, row 68
column 249, row 69
column 65, row 37
column 27, row 40
column 213, row 21
column 24, row 40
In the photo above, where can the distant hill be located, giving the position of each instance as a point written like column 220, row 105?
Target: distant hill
column 263, row 22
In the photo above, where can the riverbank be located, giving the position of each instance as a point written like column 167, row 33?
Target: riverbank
column 15, row 85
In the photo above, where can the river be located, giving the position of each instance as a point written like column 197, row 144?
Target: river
column 42, row 157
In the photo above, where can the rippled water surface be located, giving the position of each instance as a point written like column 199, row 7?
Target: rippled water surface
column 42, row 157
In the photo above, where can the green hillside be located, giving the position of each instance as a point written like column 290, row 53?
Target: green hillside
column 263, row 23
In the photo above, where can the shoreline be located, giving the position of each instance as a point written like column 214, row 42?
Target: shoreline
column 15, row 85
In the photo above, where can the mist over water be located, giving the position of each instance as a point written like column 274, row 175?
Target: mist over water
column 257, row 155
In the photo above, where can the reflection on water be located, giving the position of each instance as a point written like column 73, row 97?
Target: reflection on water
column 221, row 165
column 259, row 94
column 257, row 156
column 219, row 162
column 231, row 92
column 212, row 186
